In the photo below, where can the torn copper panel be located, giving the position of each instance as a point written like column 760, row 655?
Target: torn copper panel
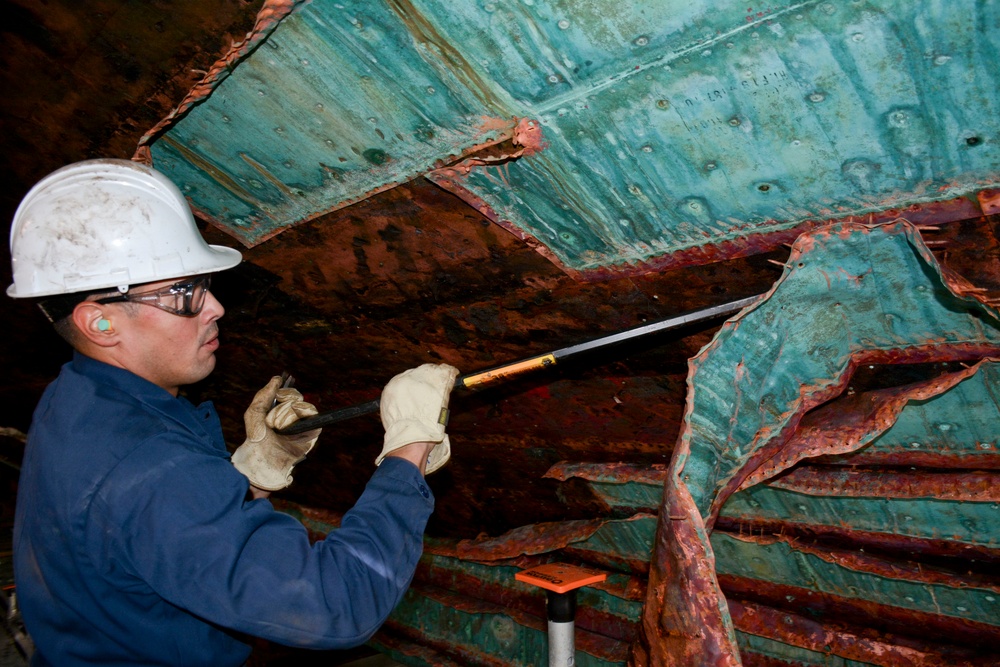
column 973, row 486
column 853, row 643
column 686, row 621
column 533, row 539
column 909, row 546
column 268, row 18
column 886, row 618
column 526, row 140
column 860, row 561
column 843, row 426
column 989, row 460
column 942, row 212
column 618, row 473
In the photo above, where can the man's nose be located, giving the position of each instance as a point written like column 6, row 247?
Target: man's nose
column 212, row 309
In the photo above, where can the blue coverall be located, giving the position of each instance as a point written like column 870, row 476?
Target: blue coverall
column 134, row 542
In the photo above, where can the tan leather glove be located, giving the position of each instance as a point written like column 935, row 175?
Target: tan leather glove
column 414, row 408
column 267, row 458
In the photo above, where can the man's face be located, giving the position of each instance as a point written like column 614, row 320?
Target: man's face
column 168, row 350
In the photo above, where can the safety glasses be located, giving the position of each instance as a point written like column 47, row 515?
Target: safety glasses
column 185, row 298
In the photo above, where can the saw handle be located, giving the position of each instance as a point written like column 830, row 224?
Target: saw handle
column 469, row 381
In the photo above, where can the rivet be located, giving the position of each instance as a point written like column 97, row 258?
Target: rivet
column 563, row 24
column 817, row 97
column 431, row 90
column 858, row 37
column 641, row 41
column 553, row 78
column 941, row 60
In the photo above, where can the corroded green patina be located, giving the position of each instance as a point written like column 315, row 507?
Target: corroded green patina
column 668, row 128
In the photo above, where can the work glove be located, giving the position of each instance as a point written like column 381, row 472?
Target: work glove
column 267, row 458
column 414, row 408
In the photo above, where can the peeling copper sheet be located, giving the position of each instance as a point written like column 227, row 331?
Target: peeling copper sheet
column 534, row 539
column 610, row 472
column 686, row 621
column 934, row 627
column 974, row 486
column 858, row 644
column 843, row 426
column 914, row 546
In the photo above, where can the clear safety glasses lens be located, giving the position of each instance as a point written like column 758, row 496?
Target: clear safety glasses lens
column 185, row 298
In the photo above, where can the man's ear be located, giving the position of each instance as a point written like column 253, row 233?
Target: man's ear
column 93, row 321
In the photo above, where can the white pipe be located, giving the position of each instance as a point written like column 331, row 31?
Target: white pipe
column 562, row 647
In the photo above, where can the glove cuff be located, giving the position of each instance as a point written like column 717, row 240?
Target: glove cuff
column 249, row 460
column 405, row 431
column 439, row 456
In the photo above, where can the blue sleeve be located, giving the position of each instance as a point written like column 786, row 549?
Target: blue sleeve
column 184, row 529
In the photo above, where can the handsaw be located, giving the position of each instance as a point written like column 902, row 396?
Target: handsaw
column 498, row 374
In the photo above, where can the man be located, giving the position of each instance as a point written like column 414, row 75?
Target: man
column 136, row 541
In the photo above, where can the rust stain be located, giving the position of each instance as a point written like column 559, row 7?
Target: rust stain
column 268, row 176
column 452, row 63
column 989, row 201
column 219, row 176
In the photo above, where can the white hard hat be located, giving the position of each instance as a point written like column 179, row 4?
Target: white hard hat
column 106, row 223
